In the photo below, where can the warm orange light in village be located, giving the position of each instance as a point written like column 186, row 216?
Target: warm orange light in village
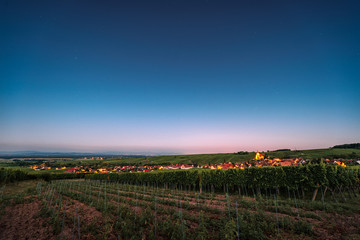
column 258, row 156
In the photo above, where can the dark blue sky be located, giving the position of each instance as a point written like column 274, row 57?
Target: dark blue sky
column 179, row 76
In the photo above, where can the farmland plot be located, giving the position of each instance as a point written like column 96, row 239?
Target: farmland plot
column 94, row 209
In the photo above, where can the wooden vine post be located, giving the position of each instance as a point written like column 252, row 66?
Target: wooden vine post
column 200, row 183
column 315, row 192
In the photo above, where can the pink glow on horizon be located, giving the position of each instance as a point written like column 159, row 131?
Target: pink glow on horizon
column 195, row 139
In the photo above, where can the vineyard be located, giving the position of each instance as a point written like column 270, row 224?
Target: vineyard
column 307, row 202
column 307, row 178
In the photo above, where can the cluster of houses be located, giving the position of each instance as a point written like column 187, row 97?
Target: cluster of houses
column 44, row 167
column 94, row 158
column 40, row 167
column 83, row 169
column 262, row 161
column 258, row 161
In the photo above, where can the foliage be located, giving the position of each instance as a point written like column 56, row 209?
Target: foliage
column 8, row 175
column 308, row 177
column 352, row 145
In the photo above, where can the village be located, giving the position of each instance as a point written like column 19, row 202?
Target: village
column 258, row 161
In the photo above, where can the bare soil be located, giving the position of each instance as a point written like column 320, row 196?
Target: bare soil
column 22, row 222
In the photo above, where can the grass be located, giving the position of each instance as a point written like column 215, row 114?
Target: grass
column 19, row 187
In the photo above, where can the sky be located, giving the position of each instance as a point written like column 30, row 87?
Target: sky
column 178, row 76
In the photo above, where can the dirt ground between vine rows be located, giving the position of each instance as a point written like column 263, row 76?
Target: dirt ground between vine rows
column 22, row 222
column 333, row 226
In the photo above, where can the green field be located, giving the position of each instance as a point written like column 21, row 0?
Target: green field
column 228, row 157
column 201, row 159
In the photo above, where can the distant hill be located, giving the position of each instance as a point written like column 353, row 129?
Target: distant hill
column 36, row 154
column 351, row 145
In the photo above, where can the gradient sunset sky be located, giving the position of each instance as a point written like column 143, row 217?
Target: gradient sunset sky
column 179, row 76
